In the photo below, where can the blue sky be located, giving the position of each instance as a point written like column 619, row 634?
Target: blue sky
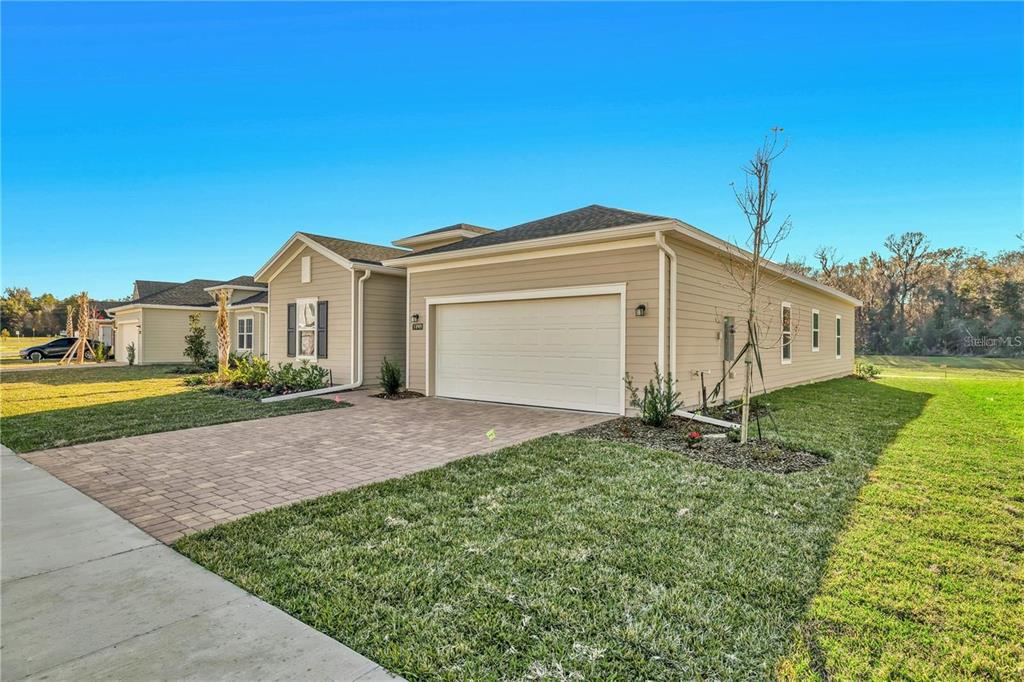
column 171, row 141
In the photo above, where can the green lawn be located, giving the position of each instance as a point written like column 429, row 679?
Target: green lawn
column 10, row 346
column 578, row 559
column 927, row 580
column 50, row 408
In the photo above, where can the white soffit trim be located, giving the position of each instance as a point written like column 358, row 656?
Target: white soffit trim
column 605, row 234
column 217, row 287
column 162, row 306
column 436, row 237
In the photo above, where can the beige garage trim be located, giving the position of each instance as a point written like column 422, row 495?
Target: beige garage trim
column 451, row 387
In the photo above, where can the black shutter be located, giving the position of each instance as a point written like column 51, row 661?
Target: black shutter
column 291, row 330
column 321, row 329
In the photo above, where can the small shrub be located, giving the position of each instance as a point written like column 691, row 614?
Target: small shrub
column 659, row 400
column 694, row 438
column 100, row 353
column 250, row 372
column 288, row 378
column 866, row 370
column 198, row 379
column 733, row 435
column 131, row 353
column 390, row 377
column 197, row 348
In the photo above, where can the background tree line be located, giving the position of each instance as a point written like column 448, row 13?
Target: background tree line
column 23, row 314
column 920, row 300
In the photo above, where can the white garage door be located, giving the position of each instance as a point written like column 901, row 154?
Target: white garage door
column 127, row 333
column 555, row 352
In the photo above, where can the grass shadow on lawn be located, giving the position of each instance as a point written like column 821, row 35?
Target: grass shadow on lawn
column 571, row 557
column 187, row 409
column 88, row 375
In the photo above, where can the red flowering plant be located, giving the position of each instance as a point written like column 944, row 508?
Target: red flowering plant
column 693, row 438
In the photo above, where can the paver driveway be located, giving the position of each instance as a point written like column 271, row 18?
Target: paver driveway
column 174, row 483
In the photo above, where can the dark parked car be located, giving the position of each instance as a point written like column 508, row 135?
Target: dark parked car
column 55, row 349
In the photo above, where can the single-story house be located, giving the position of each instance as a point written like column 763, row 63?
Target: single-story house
column 556, row 311
column 332, row 302
column 156, row 319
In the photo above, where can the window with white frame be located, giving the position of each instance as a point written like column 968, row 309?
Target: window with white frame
column 244, row 327
column 305, row 327
column 839, row 336
column 787, row 333
column 815, row 330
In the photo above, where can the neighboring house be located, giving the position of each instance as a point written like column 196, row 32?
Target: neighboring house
column 156, row 320
column 556, row 311
column 333, row 303
column 102, row 323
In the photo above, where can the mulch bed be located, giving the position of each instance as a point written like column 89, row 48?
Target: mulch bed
column 757, row 455
column 401, row 395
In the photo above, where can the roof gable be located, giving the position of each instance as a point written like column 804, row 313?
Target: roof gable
column 356, row 251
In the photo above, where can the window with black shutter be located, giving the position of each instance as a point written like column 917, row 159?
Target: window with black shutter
column 321, row 329
column 291, row 330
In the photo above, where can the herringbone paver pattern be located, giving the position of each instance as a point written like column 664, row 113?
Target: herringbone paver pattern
column 178, row 482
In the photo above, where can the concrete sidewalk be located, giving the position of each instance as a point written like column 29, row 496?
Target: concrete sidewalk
column 87, row 595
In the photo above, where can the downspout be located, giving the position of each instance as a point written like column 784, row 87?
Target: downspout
column 357, row 357
column 359, row 382
column 659, row 239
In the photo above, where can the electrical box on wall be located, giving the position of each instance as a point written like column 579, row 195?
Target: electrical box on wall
column 729, row 334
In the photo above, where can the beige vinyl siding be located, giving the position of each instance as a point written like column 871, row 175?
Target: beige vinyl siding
column 636, row 267
column 383, row 323
column 330, row 282
column 707, row 293
column 163, row 334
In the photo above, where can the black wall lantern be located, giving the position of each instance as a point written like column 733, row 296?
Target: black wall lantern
column 415, row 317
column 641, row 310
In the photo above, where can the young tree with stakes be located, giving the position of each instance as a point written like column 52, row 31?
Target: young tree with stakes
column 757, row 202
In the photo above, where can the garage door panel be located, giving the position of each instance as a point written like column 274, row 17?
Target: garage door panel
column 563, row 352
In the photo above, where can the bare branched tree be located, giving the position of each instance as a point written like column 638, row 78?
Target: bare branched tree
column 908, row 268
column 827, row 264
column 756, row 199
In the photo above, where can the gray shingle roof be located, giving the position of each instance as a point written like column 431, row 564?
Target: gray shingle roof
column 456, row 226
column 244, row 281
column 584, row 219
column 261, row 297
column 148, row 287
column 191, row 293
column 356, row 251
